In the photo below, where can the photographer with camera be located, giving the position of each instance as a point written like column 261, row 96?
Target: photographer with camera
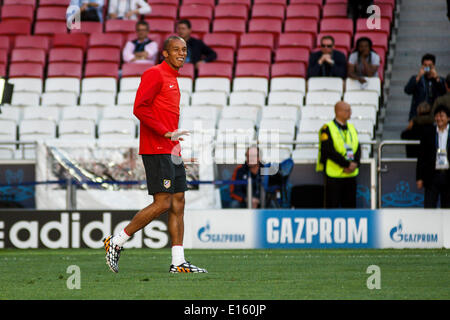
column 426, row 86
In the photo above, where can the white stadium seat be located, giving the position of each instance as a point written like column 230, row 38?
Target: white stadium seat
column 322, row 98
column 80, row 113
column 288, row 84
column 10, row 113
column 107, row 84
column 213, row 84
column 118, row 112
column 241, row 112
column 185, row 99
column 116, row 129
column 335, row 84
column 251, row 84
column 209, row 98
column 25, row 99
column 305, row 153
column 248, row 98
column 280, row 112
column 59, row 99
column 98, row 98
column 185, row 84
column 37, row 129
column 126, row 98
column 76, row 129
column 129, row 84
column 372, row 84
column 27, row 85
column 41, row 113
column 285, row 98
column 8, row 129
column 63, row 84
column 355, row 98
column 200, row 112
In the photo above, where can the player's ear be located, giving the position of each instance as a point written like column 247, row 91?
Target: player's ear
column 165, row 53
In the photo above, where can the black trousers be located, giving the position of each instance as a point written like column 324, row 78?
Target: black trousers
column 340, row 192
column 439, row 188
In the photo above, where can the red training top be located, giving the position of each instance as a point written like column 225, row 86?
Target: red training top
column 157, row 106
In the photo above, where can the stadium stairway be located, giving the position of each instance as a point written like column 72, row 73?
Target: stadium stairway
column 421, row 27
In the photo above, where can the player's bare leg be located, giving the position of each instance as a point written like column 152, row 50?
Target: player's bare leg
column 113, row 245
column 176, row 231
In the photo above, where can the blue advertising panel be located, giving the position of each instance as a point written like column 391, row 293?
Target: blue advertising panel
column 317, row 229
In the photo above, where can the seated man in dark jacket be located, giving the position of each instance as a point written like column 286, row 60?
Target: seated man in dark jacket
column 327, row 62
column 198, row 51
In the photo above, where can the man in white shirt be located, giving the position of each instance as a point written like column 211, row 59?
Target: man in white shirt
column 141, row 49
column 128, row 9
column 433, row 172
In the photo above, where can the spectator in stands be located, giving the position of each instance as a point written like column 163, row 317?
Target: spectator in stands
column 432, row 171
column 426, row 85
column 416, row 126
column 198, row 51
column 251, row 166
column 363, row 61
column 142, row 49
column 358, row 8
column 444, row 99
column 128, row 9
column 327, row 62
column 92, row 10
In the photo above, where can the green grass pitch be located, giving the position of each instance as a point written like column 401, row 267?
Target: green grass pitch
column 233, row 274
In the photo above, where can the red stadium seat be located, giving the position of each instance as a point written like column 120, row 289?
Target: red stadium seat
column 161, row 25
column 224, row 55
column 254, row 55
column 303, row 11
column 301, row 25
column 28, row 55
column 199, row 27
column 3, row 56
column 386, row 11
column 26, row 70
column 221, row 40
column 236, row 26
column 215, row 69
column 101, row 69
column 134, row 69
column 266, row 25
column 53, row 3
column 292, row 55
column 74, row 55
column 170, row 2
column 247, row 3
column 50, row 27
column 89, row 27
column 37, row 42
column 378, row 39
column 159, row 10
column 103, row 55
column 252, row 69
column 70, row 41
column 362, row 26
column 13, row 28
column 120, row 26
column 390, row 3
column 252, row 40
column 268, row 11
column 300, row 39
column 337, row 25
column 196, row 11
column 288, row 69
column 4, row 43
column 235, row 11
column 277, row 2
column 187, row 71
column 338, row 10
column 3, row 70
column 64, row 69
column 31, row 3
column 17, row 13
column 210, row 3
column 317, row 3
column 336, row 2
column 105, row 40
column 341, row 40
column 51, row 13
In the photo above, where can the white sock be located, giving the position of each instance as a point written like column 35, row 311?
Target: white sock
column 120, row 238
column 177, row 255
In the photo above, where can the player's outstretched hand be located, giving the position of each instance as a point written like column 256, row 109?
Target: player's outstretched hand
column 177, row 135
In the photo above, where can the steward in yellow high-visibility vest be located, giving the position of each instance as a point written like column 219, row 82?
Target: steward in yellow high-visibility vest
column 339, row 157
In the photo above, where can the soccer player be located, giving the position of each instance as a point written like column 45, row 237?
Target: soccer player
column 157, row 107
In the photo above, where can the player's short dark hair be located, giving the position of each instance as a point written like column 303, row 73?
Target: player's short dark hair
column 142, row 23
column 327, row 37
column 186, row 22
column 442, row 108
column 429, row 56
column 168, row 40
